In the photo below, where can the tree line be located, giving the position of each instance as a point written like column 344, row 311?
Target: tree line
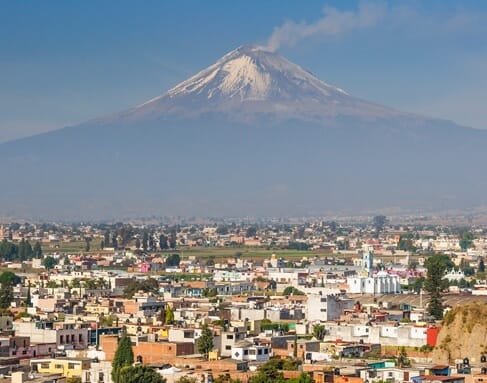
column 22, row 251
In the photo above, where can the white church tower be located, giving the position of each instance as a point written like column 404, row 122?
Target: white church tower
column 368, row 260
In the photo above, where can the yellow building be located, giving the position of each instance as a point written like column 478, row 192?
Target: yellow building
column 68, row 367
column 97, row 309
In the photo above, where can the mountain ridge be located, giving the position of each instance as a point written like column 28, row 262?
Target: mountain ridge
column 290, row 145
column 249, row 82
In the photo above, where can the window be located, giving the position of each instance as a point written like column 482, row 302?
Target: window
column 80, row 338
column 323, row 299
column 58, row 366
column 246, row 352
column 259, row 351
column 266, row 351
column 61, row 339
column 230, row 337
column 44, row 366
column 323, row 310
column 71, row 366
column 188, row 334
column 101, row 377
column 72, row 338
column 228, row 347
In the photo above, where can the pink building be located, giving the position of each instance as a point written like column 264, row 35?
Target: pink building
column 144, row 267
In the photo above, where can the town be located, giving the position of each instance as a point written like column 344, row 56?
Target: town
column 315, row 301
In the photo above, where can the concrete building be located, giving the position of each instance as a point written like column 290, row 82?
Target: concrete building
column 67, row 367
column 387, row 334
column 245, row 350
column 369, row 283
column 229, row 338
column 326, row 307
column 60, row 333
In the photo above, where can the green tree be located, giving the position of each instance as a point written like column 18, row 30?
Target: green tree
column 226, row 379
column 187, row 379
column 269, row 372
column 145, row 240
column 466, row 240
column 172, row 239
column 302, row 378
column 139, row 374
column 173, row 260
column 481, row 266
column 379, row 221
column 435, row 284
column 9, row 278
column 124, row 356
column 251, row 232
column 204, row 343
column 418, row 284
column 125, row 233
column 7, row 281
column 6, row 296
column 49, row 262
column 163, row 242
column 295, row 346
column 37, row 250
column 114, row 241
column 87, row 244
column 28, row 299
column 291, row 290
column 168, row 315
column 402, row 359
column 148, row 285
column 106, row 239
column 222, row 230
column 319, row 331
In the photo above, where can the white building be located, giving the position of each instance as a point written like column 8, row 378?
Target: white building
column 246, row 350
column 368, row 283
column 326, row 307
column 454, row 275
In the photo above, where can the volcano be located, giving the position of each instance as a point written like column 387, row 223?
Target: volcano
column 251, row 135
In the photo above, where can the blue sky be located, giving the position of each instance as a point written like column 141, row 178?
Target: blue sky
column 63, row 62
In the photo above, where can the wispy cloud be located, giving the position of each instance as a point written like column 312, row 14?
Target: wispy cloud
column 377, row 13
column 334, row 22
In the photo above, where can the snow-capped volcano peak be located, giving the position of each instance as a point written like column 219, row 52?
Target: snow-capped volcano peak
column 251, row 80
column 252, row 73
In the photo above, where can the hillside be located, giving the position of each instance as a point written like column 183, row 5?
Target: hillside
column 464, row 334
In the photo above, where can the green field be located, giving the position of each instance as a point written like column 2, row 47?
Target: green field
column 218, row 253
column 70, row 247
column 247, row 253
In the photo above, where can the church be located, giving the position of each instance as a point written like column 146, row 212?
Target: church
column 368, row 282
